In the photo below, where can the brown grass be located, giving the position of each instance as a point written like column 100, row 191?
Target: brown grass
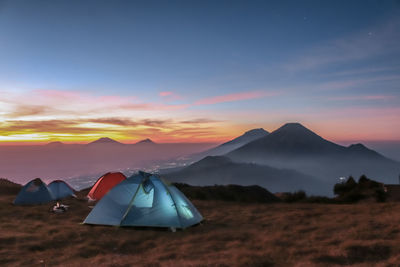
column 234, row 234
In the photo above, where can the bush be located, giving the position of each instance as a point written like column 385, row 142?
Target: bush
column 342, row 188
column 295, row 197
column 351, row 191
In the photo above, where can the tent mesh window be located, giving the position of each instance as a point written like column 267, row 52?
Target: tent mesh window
column 145, row 195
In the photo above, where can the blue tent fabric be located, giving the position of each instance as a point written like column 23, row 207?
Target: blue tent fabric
column 34, row 192
column 144, row 200
column 60, row 189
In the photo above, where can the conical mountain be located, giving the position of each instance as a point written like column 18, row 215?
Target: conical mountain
column 289, row 140
column 105, row 141
column 55, row 144
column 293, row 146
column 146, row 141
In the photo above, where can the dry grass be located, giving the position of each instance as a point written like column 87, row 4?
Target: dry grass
column 234, row 234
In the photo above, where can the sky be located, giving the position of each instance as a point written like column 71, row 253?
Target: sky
column 197, row 71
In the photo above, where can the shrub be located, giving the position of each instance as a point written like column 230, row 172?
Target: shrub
column 295, row 197
column 342, row 188
column 351, row 191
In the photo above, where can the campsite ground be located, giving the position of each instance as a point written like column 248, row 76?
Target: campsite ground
column 234, row 234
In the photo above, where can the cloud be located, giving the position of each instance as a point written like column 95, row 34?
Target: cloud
column 166, row 93
column 199, row 121
column 49, row 126
column 234, row 97
column 114, row 121
column 30, row 110
column 114, row 127
column 69, row 104
column 154, row 106
column 170, row 95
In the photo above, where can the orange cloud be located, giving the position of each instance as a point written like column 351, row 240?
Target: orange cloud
column 234, row 97
column 61, row 104
column 120, row 128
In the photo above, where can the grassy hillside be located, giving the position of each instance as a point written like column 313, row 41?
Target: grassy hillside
column 233, row 234
column 9, row 188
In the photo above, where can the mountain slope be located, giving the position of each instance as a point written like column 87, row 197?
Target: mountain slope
column 233, row 144
column 295, row 147
column 221, row 170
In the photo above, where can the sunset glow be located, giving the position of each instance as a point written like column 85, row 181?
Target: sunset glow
column 182, row 80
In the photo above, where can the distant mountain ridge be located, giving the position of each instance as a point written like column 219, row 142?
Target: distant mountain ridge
column 67, row 161
column 231, row 145
column 145, row 141
column 290, row 158
column 222, row 170
column 295, row 147
column 55, row 143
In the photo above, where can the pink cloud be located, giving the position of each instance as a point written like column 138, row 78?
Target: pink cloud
column 166, row 93
column 153, row 106
column 56, row 103
column 234, row 97
column 170, row 95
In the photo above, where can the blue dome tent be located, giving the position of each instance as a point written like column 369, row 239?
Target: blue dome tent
column 144, row 200
column 60, row 189
column 34, row 192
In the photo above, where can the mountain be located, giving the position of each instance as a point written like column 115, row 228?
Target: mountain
column 222, row 170
column 105, row 140
column 145, row 141
column 231, row 145
column 295, row 147
column 55, row 144
column 65, row 161
column 246, row 137
column 290, row 140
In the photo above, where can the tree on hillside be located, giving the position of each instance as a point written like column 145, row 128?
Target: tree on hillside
column 342, row 188
column 351, row 191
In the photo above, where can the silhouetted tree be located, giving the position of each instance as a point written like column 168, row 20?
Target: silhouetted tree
column 351, row 191
column 341, row 188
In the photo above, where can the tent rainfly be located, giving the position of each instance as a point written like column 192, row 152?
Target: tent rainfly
column 104, row 184
column 144, row 200
column 34, row 192
column 60, row 189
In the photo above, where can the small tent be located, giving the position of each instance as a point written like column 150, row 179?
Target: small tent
column 34, row 192
column 144, row 200
column 60, row 189
column 104, row 184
